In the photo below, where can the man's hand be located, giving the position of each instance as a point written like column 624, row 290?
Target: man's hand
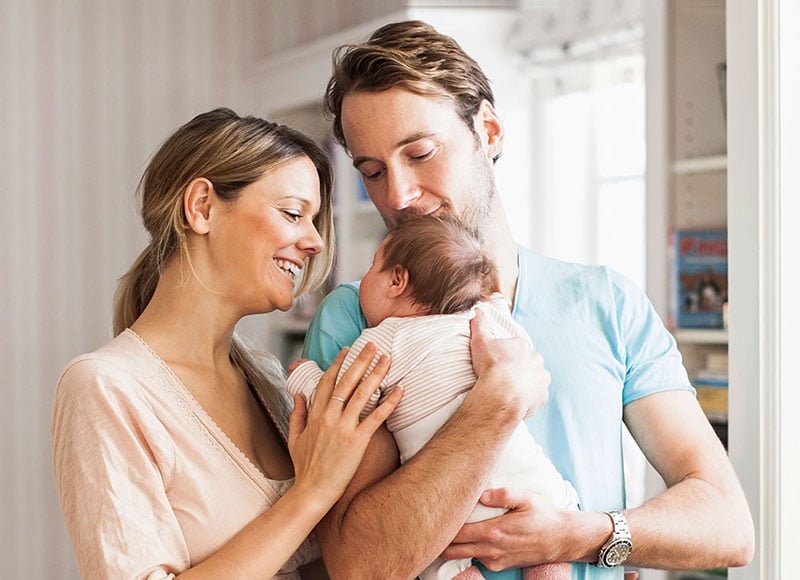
column 511, row 362
column 521, row 537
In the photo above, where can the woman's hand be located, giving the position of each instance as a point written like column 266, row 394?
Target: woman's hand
column 509, row 365
column 328, row 441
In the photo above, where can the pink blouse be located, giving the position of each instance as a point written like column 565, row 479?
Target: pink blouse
column 149, row 484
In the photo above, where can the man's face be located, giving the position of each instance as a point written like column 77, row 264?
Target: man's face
column 417, row 156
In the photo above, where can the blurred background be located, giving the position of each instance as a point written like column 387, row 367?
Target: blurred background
column 90, row 88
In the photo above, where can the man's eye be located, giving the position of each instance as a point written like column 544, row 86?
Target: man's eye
column 371, row 175
column 423, row 156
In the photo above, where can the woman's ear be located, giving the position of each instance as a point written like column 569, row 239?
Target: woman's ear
column 197, row 204
column 399, row 282
column 490, row 129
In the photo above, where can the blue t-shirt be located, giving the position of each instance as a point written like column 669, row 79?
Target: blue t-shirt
column 604, row 346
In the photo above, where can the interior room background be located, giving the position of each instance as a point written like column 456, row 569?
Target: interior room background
column 90, row 88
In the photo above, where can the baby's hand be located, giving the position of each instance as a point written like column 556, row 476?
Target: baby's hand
column 295, row 364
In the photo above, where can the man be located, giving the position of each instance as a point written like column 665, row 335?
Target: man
column 417, row 116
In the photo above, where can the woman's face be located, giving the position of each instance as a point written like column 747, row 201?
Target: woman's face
column 262, row 240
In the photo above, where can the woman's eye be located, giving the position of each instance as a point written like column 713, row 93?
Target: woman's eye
column 293, row 215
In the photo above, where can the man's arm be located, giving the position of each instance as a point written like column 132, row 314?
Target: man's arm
column 701, row 521
column 391, row 523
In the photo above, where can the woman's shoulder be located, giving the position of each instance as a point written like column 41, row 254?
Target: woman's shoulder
column 123, row 360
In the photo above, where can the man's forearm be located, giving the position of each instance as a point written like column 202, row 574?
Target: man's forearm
column 693, row 525
column 393, row 527
column 715, row 532
column 703, row 519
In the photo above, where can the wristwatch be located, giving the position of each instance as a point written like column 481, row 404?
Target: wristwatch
column 618, row 547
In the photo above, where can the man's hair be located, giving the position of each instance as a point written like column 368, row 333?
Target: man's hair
column 411, row 55
column 448, row 270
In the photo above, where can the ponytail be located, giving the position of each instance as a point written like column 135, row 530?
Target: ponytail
column 134, row 290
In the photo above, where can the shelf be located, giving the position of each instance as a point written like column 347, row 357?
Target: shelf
column 700, row 164
column 701, row 335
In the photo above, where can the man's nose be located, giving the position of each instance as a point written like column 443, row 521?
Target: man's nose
column 403, row 190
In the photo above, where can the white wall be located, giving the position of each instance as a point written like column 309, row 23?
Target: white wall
column 88, row 89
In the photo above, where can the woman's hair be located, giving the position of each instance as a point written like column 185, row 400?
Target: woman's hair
column 448, row 270
column 411, row 55
column 231, row 152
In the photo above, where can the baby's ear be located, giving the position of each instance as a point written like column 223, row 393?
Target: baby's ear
column 399, row 282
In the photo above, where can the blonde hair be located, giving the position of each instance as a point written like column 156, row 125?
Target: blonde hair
column 448, row 270
column 231, row 152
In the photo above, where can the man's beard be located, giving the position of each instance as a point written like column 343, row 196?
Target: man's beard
column 478, row 216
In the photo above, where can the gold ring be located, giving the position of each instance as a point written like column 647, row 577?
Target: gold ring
column 337, row 398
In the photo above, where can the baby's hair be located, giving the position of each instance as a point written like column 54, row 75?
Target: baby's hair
column 448, row 270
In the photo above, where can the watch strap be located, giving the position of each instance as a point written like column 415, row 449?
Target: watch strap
column 620, row 538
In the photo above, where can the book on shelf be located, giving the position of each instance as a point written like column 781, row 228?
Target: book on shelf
column 699, row 280
column 711, row 385
column 714, row 401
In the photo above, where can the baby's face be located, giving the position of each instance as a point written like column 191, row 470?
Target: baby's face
column 376, row 301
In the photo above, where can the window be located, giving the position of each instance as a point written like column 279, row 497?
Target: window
column 589, row 171
column 590, row 162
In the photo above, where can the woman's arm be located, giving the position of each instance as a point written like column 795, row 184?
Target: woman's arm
column 326, row 445
column 114, row 462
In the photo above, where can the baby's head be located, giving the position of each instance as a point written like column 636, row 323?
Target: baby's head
column 426, row 265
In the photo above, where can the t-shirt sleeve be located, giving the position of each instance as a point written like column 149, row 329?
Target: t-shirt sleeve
column 337, row 323
column 652, row 360
column 113, row 464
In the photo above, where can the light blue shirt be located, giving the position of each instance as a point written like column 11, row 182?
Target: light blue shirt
column 604, row 346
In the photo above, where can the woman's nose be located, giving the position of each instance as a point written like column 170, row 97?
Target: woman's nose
column 312, row 243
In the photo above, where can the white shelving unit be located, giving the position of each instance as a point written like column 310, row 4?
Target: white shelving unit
column 701, row 336
column 687, row 163
column 700, row 165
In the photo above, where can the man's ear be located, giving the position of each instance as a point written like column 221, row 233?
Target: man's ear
column 490, row 129
column 399, row 282
column 197, row 200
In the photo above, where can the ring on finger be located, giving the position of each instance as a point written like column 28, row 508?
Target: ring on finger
column 338, row 398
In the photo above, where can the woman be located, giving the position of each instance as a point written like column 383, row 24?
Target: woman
column 172, row 450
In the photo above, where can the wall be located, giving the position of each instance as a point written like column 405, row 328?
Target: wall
column 88, row 89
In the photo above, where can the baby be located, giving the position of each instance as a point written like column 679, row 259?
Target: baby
column 418, row 297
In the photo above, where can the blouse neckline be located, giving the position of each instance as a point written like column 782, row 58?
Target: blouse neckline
column 242, row 461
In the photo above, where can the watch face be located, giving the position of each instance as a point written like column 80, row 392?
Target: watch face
column 617, row 553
